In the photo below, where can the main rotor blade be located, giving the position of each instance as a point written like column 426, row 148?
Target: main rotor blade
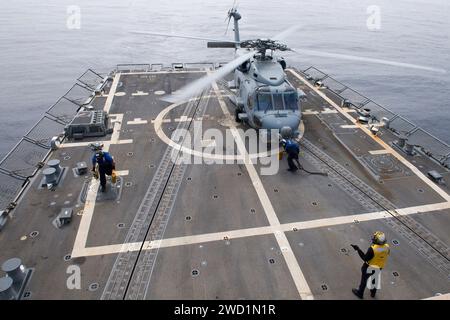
column 175, row 36
column 286, row 33
column 365, row 59
column 204, row 82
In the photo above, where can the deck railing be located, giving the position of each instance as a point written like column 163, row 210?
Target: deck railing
column 418, row 137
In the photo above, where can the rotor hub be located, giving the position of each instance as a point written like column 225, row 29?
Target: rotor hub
column 262, row 45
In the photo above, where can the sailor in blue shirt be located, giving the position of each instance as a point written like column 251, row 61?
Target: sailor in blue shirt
column 105, row 164
column 292, row 149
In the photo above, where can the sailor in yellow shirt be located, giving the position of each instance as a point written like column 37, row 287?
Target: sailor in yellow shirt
column 375, row 257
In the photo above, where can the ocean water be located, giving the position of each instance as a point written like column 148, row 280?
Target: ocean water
column 41, row 57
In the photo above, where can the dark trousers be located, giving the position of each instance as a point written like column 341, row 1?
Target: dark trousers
column 103, row 170
column 292, row 159
column 364, row 277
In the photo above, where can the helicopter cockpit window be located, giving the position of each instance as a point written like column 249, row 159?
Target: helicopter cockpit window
column 278, row 101
column 264, row 101
column 291, row 101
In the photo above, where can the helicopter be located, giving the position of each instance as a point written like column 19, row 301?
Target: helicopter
column 264, row 98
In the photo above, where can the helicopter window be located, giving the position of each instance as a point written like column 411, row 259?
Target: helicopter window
column 278, row 101
column 291, row 101
column 264, row 101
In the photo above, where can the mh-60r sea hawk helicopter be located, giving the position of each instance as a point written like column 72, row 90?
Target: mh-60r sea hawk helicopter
column 264, row 98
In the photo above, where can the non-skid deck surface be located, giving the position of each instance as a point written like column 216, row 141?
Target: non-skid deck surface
column 224, row 231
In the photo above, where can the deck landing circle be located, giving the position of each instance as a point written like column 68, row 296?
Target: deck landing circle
column 205, row 155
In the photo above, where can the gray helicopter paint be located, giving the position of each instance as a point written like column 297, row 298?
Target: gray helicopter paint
column 247, row 88
column 266, row 73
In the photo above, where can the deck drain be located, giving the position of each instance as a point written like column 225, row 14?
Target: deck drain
column 128, row 184
column 189, row 179
column 275, row 190
column 195, row 273
column 130, row 154
column 356, row 221
column 239, row 174
column 314, row 203
column 395, row 242
column 170, row 128
column 67, row 257
column 395, row 274
column 34, row 234
column 420, row 190
column 215, row 196
column 252, row 210
column 188, row 218
column 152, row 166
column 271, row 261
column 344, row 250
column 27, row 294
column 93, row 286
column 121, row 225
column 80, row 213
column 294, row 229
column 330, row 185
column 67, row 158
column 324, row 287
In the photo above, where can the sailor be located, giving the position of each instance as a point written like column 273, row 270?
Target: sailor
column 105, row 164
column 375, row 258
column 292, row 149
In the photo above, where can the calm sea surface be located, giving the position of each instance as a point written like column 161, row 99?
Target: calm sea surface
column 41, row 58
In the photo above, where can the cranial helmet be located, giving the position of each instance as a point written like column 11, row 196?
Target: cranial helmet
column 379, row 238
column 97, row 146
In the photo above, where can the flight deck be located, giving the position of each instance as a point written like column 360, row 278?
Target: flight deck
column 212, row 230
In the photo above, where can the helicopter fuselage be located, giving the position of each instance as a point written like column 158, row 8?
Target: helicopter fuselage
column 264, row 98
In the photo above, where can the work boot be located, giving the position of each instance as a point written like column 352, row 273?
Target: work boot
column 356, row 293
column 373, row 293
column 102, row 188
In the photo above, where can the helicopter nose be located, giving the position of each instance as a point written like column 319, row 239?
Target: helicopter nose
column 273, row 122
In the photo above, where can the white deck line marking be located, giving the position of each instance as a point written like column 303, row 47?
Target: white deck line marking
column 111, row 93
column 445, row 296
column 137, row 121
column 349, row 126
column 85, row 144
column 183, row 119
column 139, row 93
column 259, row 231
column 408, row 164
column 375, row 152
column 291, row 261
column 91, row 196
column 208, row 143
